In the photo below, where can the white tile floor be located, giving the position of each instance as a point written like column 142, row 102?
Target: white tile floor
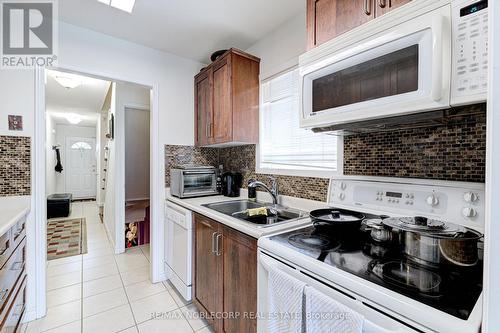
column 107, row 293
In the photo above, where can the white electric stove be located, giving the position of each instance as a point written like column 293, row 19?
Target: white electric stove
column 352, row 268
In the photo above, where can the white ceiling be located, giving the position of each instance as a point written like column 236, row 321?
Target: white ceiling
column 86, row 100
column 188, row 28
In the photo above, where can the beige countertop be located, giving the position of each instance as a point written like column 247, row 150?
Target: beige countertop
column 195, row 205
column 12, row 209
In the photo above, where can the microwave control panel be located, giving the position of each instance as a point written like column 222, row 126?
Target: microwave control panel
column 470, row 51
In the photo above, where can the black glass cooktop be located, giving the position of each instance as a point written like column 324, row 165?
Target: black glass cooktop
column 452, row 290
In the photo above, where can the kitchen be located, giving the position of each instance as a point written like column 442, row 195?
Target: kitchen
column 254, row 213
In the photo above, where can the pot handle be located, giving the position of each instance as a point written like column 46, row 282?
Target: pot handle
column 335, row 214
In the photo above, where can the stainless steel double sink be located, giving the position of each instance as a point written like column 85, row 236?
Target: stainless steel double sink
column 276, row 214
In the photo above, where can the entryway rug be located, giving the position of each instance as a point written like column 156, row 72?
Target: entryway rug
column 66, row 238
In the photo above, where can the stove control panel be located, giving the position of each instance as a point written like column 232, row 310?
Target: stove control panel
column 457, row 202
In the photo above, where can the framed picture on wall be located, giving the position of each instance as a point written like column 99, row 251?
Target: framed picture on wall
column 111, row 127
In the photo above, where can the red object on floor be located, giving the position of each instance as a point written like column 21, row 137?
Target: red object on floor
column 144, row 229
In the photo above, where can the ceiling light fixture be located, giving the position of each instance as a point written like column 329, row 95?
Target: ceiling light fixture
column 73, row 118
column 68, row 82
column 125, row 5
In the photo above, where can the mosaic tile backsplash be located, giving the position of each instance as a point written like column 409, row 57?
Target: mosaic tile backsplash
column 15, row 165
column 455, row 151
column 452, row 151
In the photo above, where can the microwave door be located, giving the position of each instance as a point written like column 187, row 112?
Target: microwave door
column 403, row 70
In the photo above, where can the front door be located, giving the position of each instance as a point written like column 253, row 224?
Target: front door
column 81, row 167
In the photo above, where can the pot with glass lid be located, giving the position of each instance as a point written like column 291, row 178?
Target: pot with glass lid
column 433, row 242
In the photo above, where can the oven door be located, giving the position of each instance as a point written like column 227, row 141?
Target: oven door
column 403, row 69
column 199, row 183
column 377, row 319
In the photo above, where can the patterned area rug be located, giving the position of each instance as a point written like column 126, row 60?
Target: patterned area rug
column 66, row 238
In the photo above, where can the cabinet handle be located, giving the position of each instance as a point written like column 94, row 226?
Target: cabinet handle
column 2, row 251
column 382, row 3
column 3, row 294
column 367, row 8
column 214, row 248
column 219, row 236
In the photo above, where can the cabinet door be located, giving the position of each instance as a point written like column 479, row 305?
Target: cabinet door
column 203, row 107
column 327, row 19
column 222, row 125
column 207, row 266
column 385, row 6
column 240, row 280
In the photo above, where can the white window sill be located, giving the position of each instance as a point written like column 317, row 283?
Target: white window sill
column 298, row 173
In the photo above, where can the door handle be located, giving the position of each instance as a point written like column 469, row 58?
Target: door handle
column 367, row 6
column 217, row 252
column 382, row 3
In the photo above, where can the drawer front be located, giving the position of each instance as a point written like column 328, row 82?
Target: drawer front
column 6, row 247
column 18, row 231
column 12, row 323
column 11, row 272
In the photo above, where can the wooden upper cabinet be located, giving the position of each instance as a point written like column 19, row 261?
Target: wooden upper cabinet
column 327, row 19
column 203, row 102
column 385, row 6
column 223, row 115
column 230, row 112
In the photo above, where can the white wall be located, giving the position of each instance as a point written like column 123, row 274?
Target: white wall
column 110, row 205
column 17, row 98
column 62, row 132
column 281, row 48
column 136, row 154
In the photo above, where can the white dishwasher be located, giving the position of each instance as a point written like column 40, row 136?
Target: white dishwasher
column 178, row 247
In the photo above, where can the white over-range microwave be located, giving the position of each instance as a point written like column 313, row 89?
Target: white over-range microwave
column 427, row 55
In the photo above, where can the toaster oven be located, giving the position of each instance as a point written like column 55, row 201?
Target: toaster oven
column 190, row 181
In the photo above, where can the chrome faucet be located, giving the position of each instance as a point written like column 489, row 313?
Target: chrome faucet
column 274, row 191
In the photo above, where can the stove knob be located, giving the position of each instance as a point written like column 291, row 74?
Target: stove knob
column 343, row 185
column 341, row 196
column 469, row 212
column 470, row 197
column 432, row 200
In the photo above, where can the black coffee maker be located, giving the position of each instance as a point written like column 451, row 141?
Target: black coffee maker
column 231, row 184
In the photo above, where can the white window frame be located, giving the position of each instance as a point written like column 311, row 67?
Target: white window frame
column 294, row 172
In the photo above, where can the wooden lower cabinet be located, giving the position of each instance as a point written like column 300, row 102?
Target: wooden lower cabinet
column 225, row 276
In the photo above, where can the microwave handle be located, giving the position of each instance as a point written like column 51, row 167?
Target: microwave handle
column 438, row 23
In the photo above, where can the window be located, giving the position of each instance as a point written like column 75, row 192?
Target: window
column 81, row 145
column 285, row 148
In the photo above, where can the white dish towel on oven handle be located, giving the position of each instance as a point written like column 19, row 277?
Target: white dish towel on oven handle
column 286, row 297
column 325, row 315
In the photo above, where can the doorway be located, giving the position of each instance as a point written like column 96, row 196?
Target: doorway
column 104, row 242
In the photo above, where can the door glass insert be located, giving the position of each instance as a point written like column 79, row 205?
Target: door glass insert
column 80, row 145
column 389, row 75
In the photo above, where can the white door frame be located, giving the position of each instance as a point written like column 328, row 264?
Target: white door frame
column 67, row 161
column 37, row 287
column 491, row 285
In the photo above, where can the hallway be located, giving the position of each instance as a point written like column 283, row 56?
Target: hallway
column 107, row 293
